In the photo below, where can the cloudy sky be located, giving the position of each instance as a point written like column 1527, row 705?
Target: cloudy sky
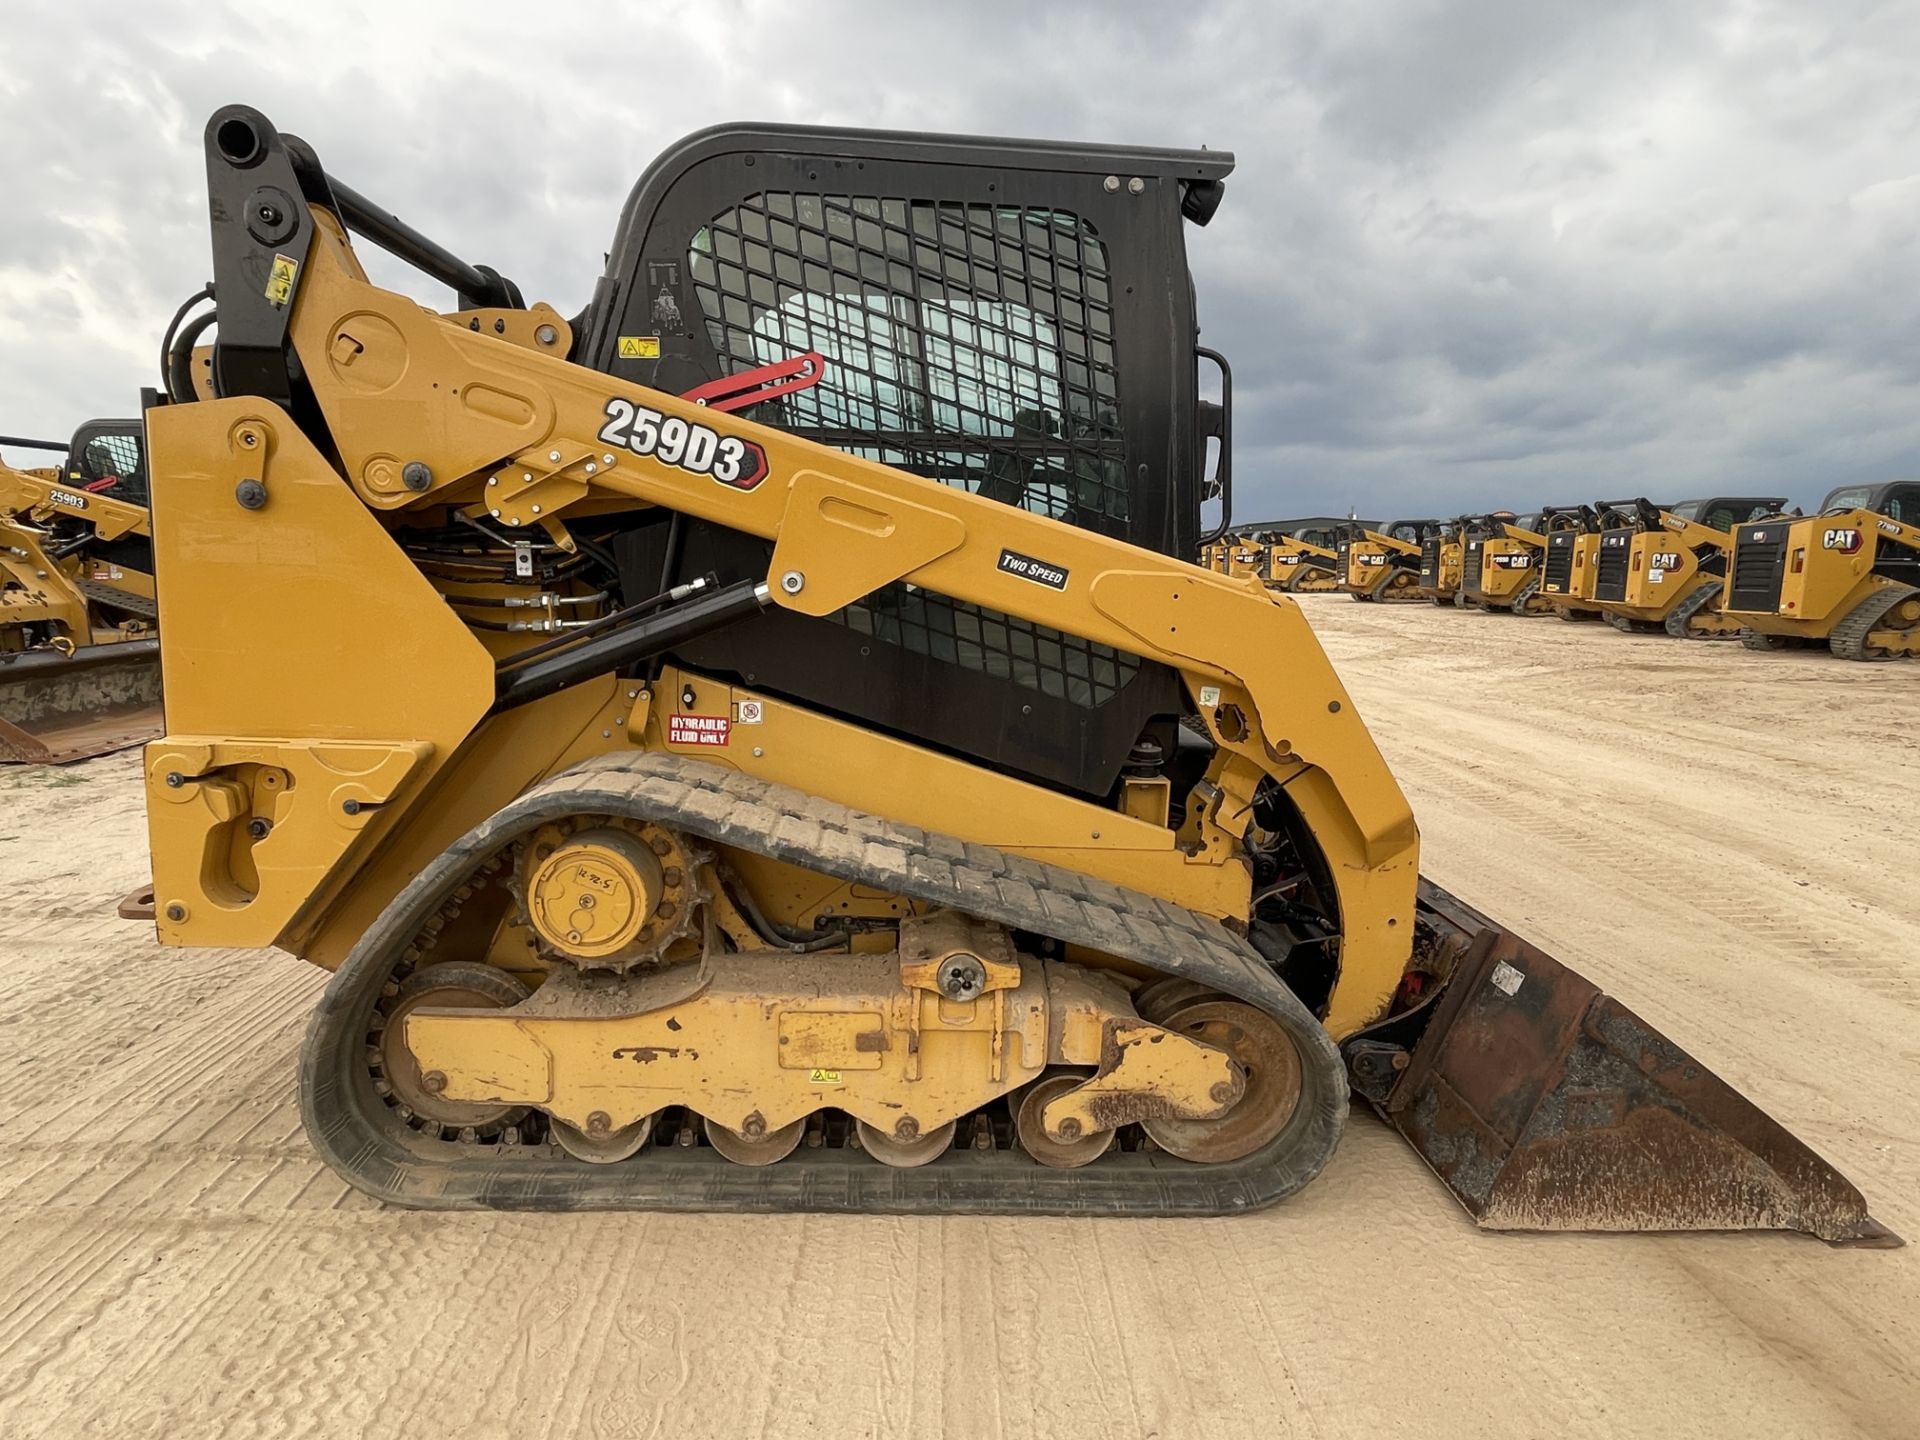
column 1473, row 254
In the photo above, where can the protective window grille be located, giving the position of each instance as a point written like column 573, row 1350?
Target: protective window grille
column 110, row 457
column 970, row 344
column 974, row 343
column 990, row 643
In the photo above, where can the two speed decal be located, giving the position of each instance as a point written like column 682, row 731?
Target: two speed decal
column 693, row 447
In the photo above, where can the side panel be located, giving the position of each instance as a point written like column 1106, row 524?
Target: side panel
column 300, row 623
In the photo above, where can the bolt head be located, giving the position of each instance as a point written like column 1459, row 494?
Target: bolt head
column 1221, row 1092
column 1110, row 184
column 176, row 912
column 599, row 1123
column 434, row 1081
column 1070, row 1128
column 1136, row 185
column 554, row 456
column 793, row 582
column 251, row 495
column 546, row 334
column 175, row 779
column 754, row 1126
column 906, row 1128
column 416, row 475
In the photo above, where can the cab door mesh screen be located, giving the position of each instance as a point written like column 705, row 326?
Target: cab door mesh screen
column 971, row 344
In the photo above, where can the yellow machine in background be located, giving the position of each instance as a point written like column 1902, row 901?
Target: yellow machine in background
column 79, row 667
column 1296, row 556
column 698, row 815
column 1500, row 563
column 1665, row 572
column 1847, row 577
column 1382, row 562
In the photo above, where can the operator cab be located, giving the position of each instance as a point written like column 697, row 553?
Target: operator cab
column 1011, row 317
column 1723, row 513
column 1897, row 500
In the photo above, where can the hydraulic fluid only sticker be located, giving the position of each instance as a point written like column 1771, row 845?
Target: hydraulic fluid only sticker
column 698, row 729
column 1054, row 577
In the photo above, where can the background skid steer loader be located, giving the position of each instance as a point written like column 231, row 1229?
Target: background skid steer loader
column 79, row 664
column 1666, row 572
column 1848, row 577
column 1383, row 561
column 1500, row 564
column 762, row 876
column 1302, row 555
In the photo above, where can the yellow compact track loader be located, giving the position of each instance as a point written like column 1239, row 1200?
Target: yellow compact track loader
column 79, row 664
column 1500, row 564
column 1847, row 578
column 1382, row 562
column 1297, row 556
column 848, row 802
column 1665, row 572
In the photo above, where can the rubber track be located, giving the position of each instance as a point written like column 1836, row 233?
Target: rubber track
column 1378, row 590
column 1683, row 613
column 1849, row 637
column 359, row 1137
column 1525, row 593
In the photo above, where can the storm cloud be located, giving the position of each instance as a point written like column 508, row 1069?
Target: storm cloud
column 1473, row 254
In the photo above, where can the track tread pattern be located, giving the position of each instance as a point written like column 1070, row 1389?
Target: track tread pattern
column 1681, row 618
column 1849, row 637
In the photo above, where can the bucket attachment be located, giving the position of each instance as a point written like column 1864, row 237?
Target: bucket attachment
column 1545, row 1104
column 55, row 708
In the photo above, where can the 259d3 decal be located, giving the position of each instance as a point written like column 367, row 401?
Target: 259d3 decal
column 698, row 449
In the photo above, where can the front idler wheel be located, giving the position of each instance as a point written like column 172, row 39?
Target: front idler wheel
column 1260, row 1045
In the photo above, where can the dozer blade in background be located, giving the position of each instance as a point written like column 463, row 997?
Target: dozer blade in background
column 55, row 708
column 1545, row 1104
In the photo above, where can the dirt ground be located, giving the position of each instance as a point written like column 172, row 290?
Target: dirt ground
column 1723, row 839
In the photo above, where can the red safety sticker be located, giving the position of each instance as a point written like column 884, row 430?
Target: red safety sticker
column 698, row 729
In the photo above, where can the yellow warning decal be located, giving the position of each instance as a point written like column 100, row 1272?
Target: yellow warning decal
column 639, row 347
column 824, row 1077
column 280, row 280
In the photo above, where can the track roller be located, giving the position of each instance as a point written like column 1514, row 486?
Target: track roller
column 905, row 1153
column 1060, row 1154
